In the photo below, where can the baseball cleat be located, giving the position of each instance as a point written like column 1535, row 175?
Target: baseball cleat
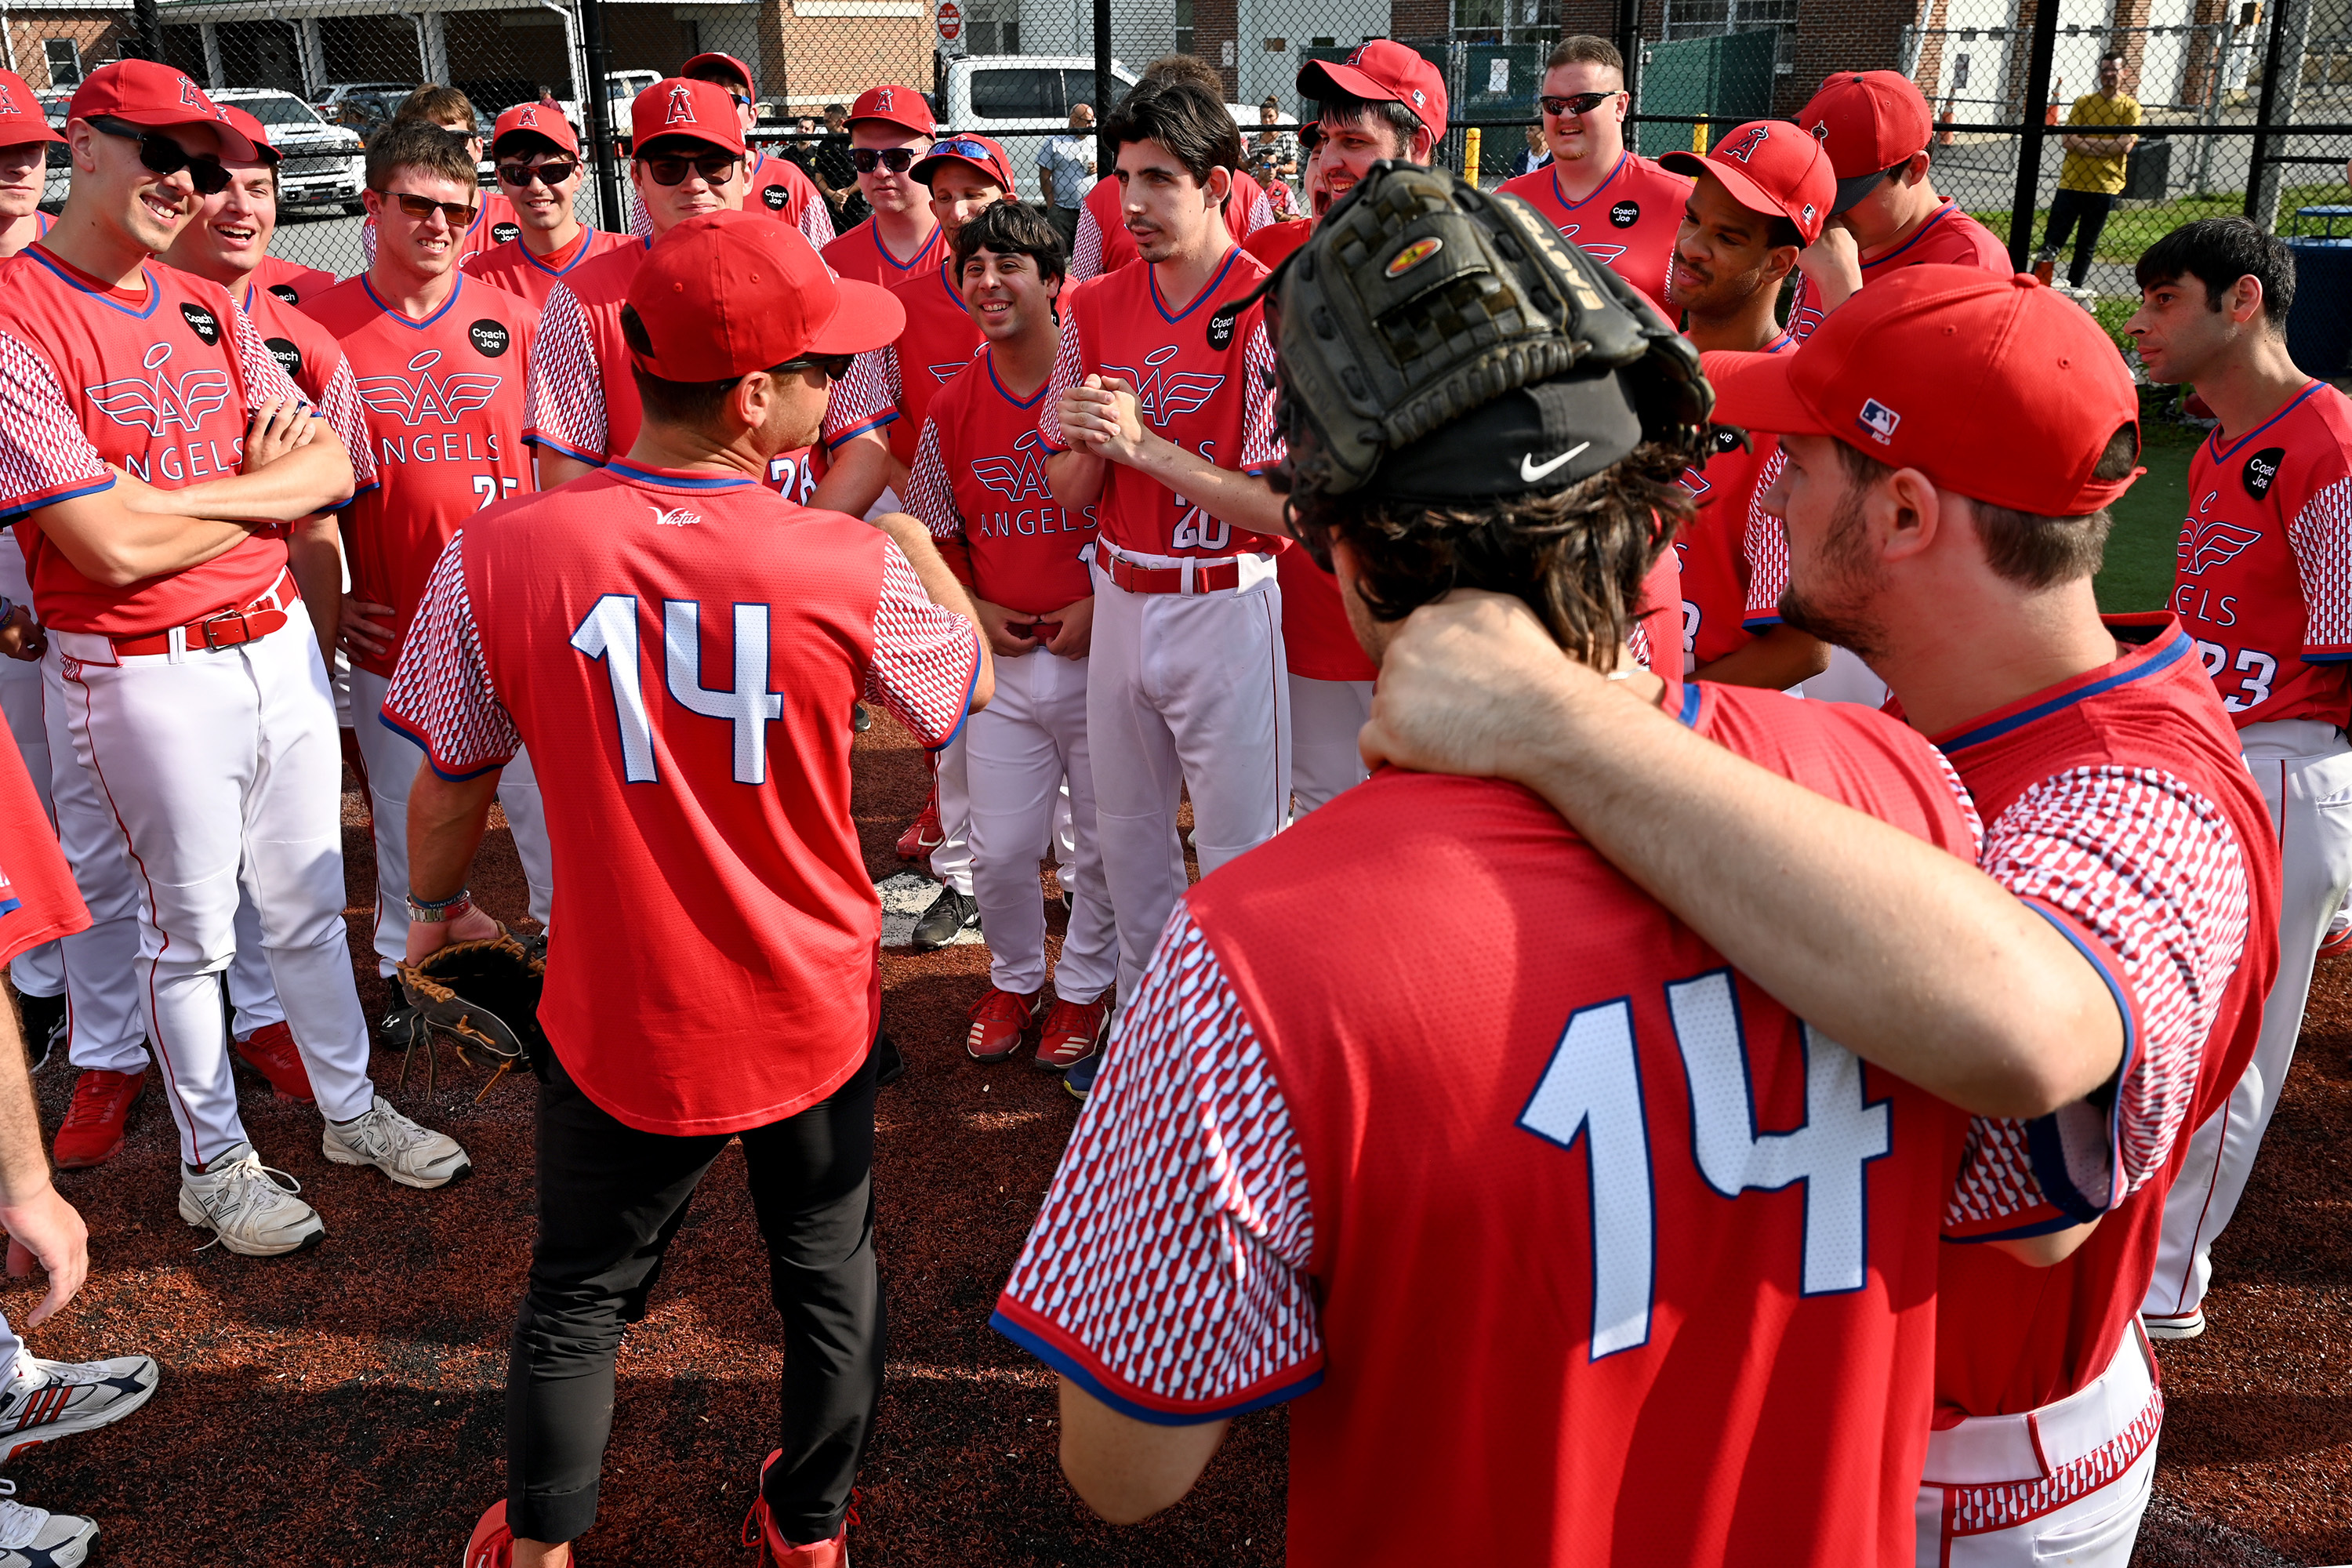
column 48, row 1400
column 1073, row 1031
column 1080, row 1079
column 45, row 1026
column 35, row 1538
column 91, row 1133
column 412, row 1155
column 759, row 1529
column 492, row 1543
column 924, row 833
column 241, row 1200
column 951, row 914
column 2186, row 1326
column 271, row 1052
column 1000, row 1022
column 2337, row 940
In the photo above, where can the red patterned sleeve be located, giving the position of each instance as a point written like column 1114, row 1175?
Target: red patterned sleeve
column 2321, row 537
column 1086, row 248
column 1766, row 547
column 865, row 399
column 926, row 657
column 441, row 696
column 565, row 408
column 2144, row 876
column 45, row 457
column 930, row 495
column 1167, row 1272
column 1805, row 315
column 340, row 402
column 1069, row 369
column 817, row 217
column 266, row 380
column 1262, row 446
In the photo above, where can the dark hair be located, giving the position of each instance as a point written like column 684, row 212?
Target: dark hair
column 1589, row 48
column 2217, row 252
column 2026, row 548
column 1346, row 109
column 434, row 104
column 2114, row 55
column 1181, row 67
column 1184, row 118
column 420, row 144
column 692, row 404
column 1575, row 556
column 1779, row 230
column 1013, row 229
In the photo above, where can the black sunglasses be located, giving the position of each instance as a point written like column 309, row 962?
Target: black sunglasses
column 1583, row 104
column 162, row 155
column 834, row 366
column 460, row 216
column 898, row 160
column 549, row 174
column 714, row 167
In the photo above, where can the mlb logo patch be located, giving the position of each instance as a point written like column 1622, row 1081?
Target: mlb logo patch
column 1879, row 420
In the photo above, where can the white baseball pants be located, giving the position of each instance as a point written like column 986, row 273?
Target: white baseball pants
column 952, row 861
column 393, row 760
column 107, row 1029
column 1185, row 691
column 2304, row 771
column 1325, row 718
column 219, row 771
column 1019, row 750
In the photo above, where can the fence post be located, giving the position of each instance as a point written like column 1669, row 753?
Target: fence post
column 2028, row 150
column 1629, row 44
column 148, row 24
column 2281, row 84
column 600, row 123
column 1105, row 156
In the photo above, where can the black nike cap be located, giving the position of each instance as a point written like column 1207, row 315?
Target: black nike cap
column 1529, row 441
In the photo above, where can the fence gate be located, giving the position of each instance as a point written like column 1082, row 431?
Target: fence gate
column 1728, row 76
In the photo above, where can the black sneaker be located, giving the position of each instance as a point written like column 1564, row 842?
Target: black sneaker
column 951, row 914
column 860, row 721
column 890, row 1067
column 45, row 1026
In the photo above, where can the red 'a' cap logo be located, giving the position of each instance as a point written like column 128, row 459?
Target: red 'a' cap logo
column 1756, row 137
column 882, row 99
column 528, row 119
column 681, row 106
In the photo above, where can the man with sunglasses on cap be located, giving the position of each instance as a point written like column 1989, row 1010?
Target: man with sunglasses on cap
column 494, row 217
column 1878, row 132
column 538, row 158
column 1757, row 199
column 890, row 129
column 772, row 184
column 1600, row 193
column 441, row 360
column 195, row 692
column 1104, row 243
column 683, row 677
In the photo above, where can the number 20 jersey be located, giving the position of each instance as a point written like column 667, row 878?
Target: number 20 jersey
column 2264, row 577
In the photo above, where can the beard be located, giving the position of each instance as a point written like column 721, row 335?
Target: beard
column 1836, row 606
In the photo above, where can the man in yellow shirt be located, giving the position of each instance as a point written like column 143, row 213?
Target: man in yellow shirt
column 2093, row 174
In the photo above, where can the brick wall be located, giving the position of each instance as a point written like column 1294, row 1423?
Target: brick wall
column 100, row 34
column 1843, row 35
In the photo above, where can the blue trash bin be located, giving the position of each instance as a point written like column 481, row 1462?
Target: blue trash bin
column 2320, row 324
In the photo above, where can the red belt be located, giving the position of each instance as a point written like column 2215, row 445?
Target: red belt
column 222, row 629
column 1210, row 577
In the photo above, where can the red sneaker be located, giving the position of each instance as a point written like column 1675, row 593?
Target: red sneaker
column 91, row 1133
column 760, row 1531
column 1073, row 1032
column 924, row 833
column 271, row 1052
column 492, row 1543
column 2337, row 940
column 998, row 1021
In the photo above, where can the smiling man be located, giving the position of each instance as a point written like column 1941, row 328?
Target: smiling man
column 539, row 164
column 494, row 220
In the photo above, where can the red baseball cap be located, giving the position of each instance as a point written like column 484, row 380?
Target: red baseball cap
column 726, row 293
column 154, row 98
column 980, row 152
column 1868, row 121
column 899, row 106
column 253, row 131
column 1770, row 166
column 21, row 119
column 1383, row 72
column 676, row 107
column 534, row 120
column 1994, row 387
column 741, row 71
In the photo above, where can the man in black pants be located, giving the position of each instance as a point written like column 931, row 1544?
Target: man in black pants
column 2094, row 169
column 690, row 682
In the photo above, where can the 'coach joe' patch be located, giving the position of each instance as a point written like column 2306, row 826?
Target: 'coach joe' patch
column 491, row 338
column 286, row 292
column 775, row 196
column 2262, row 470
column 502, row 232
column 1625, row 214
column 288, row 357
column 202, row 322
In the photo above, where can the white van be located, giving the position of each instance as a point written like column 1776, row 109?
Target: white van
column 1020, row 101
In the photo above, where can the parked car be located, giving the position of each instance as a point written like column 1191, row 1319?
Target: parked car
column 362, row 106
column 318, row 162
column 1020, row 100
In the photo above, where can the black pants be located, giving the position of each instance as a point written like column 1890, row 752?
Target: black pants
column 610, row 1199
column 2068, row 208
column 1065, row 224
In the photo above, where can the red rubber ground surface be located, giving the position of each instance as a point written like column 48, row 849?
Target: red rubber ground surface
column 343, row 1407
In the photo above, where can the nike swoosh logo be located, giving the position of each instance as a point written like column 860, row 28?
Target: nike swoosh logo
column 1531, row 471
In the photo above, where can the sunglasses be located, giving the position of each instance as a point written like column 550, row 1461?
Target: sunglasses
column 742, row 101
column 459, row 214
column 898, row 160
column 162, row 155
column 714, row 167
column 549, row 174
column 834, row 366
column 1568, row 108
column 957, row 147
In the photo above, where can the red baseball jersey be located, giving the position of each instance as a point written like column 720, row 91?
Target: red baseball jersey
column 494, row 224
column 1733, row 553
column 894, row 384
column 2117, row 806
column 38, row 899
column 290, row 280
column 1628, row 225
column 860, row 254
column 444, row 403
column 1217, row 400
column 778, row 186
column 314, row 362
column 513, row 268
column 1274, row 245
column 1950, row 236
column 979, row 482
column 157, row 381
column 1103, row 244
column 1602, row 1264
column 680, row 680
column 2264, row 579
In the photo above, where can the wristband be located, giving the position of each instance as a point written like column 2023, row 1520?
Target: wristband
column 461, row 902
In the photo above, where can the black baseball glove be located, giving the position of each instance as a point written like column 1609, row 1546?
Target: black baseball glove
column 483, row 994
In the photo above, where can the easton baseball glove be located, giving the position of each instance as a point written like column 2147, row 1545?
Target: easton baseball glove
column 484, row 995
column 1420, row 297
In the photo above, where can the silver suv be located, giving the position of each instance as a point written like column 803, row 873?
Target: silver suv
column 318, row 162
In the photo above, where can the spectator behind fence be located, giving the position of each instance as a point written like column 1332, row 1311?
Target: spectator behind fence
column 836, row 174
column 1534, row 155
column 1065, row 171
column 2093, row 174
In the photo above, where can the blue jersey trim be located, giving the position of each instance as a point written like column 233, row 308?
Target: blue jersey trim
column 1762, row 623
column 989, row 359
column 1692, row 696
column 10, row 514
column 2171, row 654
column 1614, row 170
column 2039, row 1227
column 587, row 249
column 421, row 744
column 1208, row 289
column 1946, row 210
column 971, row 685
column 397, row 314
column 889, row 417
column 1077, row 1372
column 2044, row 1149
column 2213, row 441
column 2325, row 658
column 645, row 476
column 155, row 289
column 895, row 265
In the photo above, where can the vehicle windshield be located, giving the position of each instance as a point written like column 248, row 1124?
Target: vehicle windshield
column 277, row 108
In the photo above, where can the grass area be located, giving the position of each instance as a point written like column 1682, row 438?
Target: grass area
column 2142, row 549
column 2131, row 230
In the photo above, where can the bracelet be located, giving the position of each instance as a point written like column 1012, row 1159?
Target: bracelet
column 436, row 913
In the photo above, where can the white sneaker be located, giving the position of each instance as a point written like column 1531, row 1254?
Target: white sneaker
column 35, row 1538
column 2186, row 1326
column 412, row 1155
column 46, row 1400
column 242, row 1203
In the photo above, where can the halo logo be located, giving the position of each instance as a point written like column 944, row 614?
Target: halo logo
column 1746, row 147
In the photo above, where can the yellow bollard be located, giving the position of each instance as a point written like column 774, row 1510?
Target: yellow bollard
column 1470, row 154
column 1699, row 139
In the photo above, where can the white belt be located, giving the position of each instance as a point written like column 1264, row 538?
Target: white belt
column 1991, row 1451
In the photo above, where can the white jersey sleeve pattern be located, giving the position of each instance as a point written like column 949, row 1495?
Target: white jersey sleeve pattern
column 266, row 380
column 1086, row 248
column 2152, row 871
column 441, row 696
column 1261, row 215
column 1261, row 448
column 1069, row 369
column 1766, row 547
column 1194, row 1303
column 816, row 224
column 930, row 494
column 2321, row 537
column 345, row 416
column 867, row 398
column 565, row 405
column 926, row 657
column 45, row 457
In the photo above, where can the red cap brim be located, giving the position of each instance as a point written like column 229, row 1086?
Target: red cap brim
column 1753, row 392
column 234, row 144
column 1355, row 83
column 867, row 318
column 18, row 130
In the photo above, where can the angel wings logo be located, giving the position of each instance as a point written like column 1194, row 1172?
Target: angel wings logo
column 1021, row 474
column 2209, row 542
column 1164, row 394
column 1604, row 254
column 428, row 397
column 155, row 402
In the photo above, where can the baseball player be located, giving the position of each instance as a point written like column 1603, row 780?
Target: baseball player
column 494, row 216
column 539, row 159
column 1756, row 200
column 770, row 184
column 1104, row 242
column 25, row 142
column 889, row 128
column 978, row 485
column 1149, row 402
column 1267, row 1201
column 708, row 790
column 440, row 361
column 1597, row 193
column 2265, row 552
column 192, row 688
column 1876, row 128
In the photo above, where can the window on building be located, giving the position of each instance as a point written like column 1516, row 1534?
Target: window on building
column 1184, row 27
column 64, row 61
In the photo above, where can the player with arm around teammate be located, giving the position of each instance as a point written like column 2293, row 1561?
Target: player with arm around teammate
column 684, row 681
